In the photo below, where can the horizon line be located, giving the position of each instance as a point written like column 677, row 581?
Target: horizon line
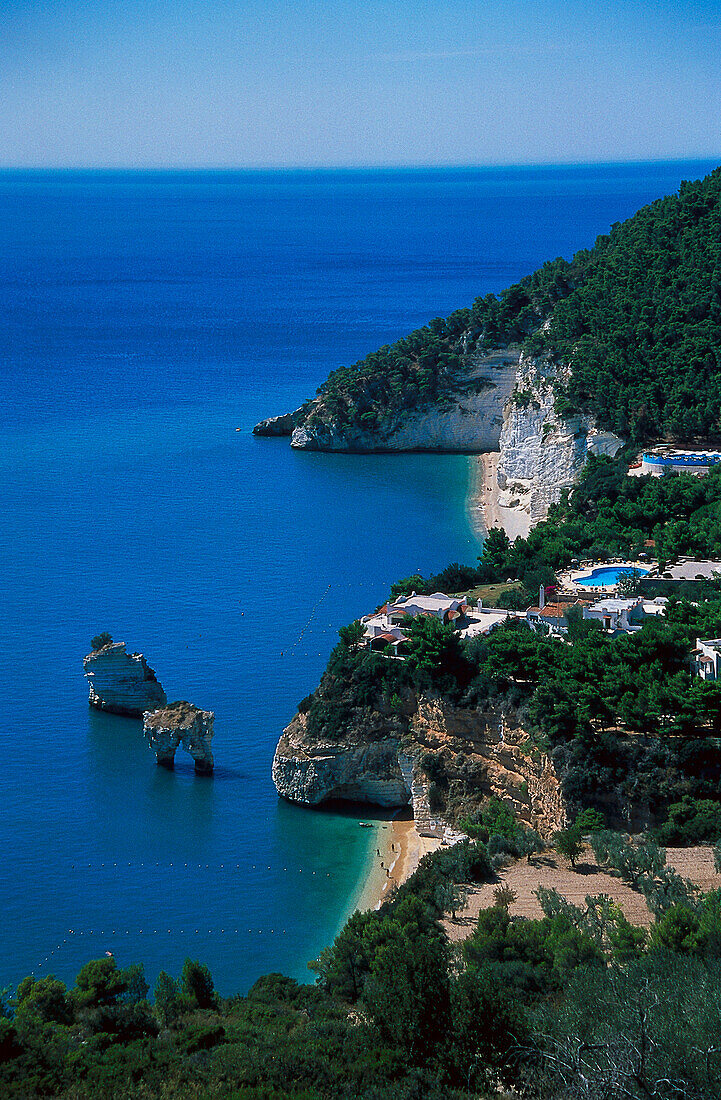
column 420, row 166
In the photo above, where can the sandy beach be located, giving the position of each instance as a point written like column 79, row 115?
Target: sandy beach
column 484, row 509
column 398, row 853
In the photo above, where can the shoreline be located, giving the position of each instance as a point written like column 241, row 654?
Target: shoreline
column 398, row 851
column 484, row 507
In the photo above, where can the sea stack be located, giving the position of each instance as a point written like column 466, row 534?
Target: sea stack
column 181, row 724
column 120, row 682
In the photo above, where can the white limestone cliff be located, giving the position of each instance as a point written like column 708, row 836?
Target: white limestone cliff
column 181, row 724
column 468, row 420
column 121, row 682
column 321, row 771
column 501, row 404
column 541, row 453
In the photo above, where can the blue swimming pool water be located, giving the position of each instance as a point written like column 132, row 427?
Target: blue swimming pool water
column 607, row 575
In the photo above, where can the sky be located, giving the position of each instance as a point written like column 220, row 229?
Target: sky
column 310, row 83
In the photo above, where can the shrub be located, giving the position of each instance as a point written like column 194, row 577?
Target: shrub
column 305, row 704
column 197, row 985
column 667, row 890
column 168, row 1005
column 590, row 821
column 569, row 843
column 691, row 821
column 504, row 897
column 632, row 862
column 100, row 641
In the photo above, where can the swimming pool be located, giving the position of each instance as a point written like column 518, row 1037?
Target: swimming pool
column 608, row 575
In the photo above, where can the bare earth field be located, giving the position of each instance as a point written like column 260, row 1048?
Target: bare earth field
column 551, row 870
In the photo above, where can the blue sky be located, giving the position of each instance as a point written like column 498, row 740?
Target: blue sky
column 374, row 82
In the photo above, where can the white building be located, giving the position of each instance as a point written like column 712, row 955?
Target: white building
column 446, row 608
column 482, row 620
column 550, row 618
column 616, row 614
column 384, row 627
column 705, row 658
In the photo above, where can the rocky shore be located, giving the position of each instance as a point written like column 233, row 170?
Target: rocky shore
column 278, row 425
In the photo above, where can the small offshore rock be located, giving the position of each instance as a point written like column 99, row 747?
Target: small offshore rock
column 121, row 682
column 176, row 724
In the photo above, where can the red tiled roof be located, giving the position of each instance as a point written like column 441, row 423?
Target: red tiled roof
column 551, row 610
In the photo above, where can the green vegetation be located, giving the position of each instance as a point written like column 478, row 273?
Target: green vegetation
column 546, row 1007
column 638, row 316
column 101, row 640
column 691, row 821
column 643, row 328
column 569, row 843
column 626, row 723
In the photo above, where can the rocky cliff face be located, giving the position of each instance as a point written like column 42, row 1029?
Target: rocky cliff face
column 454, row 757
column 278, row 425
column 467, row 419
column 504, row 403
column 541, row 453
column 181, row 724
column 472, row 754
column 121, row 682
column 311, row 772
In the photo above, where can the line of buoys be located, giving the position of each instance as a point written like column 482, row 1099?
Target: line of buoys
column 310, row 618
column 155, row 932
column 174, row 866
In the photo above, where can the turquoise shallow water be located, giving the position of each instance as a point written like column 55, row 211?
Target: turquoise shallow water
column 145, row 318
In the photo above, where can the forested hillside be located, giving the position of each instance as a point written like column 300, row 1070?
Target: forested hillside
column 637, row 317
column 642, row 331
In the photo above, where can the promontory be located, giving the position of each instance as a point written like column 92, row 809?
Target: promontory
column 621, row 344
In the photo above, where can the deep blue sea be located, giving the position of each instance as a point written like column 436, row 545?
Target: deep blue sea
column 144, row 317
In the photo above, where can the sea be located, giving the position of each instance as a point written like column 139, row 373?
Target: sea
column 147, row 321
